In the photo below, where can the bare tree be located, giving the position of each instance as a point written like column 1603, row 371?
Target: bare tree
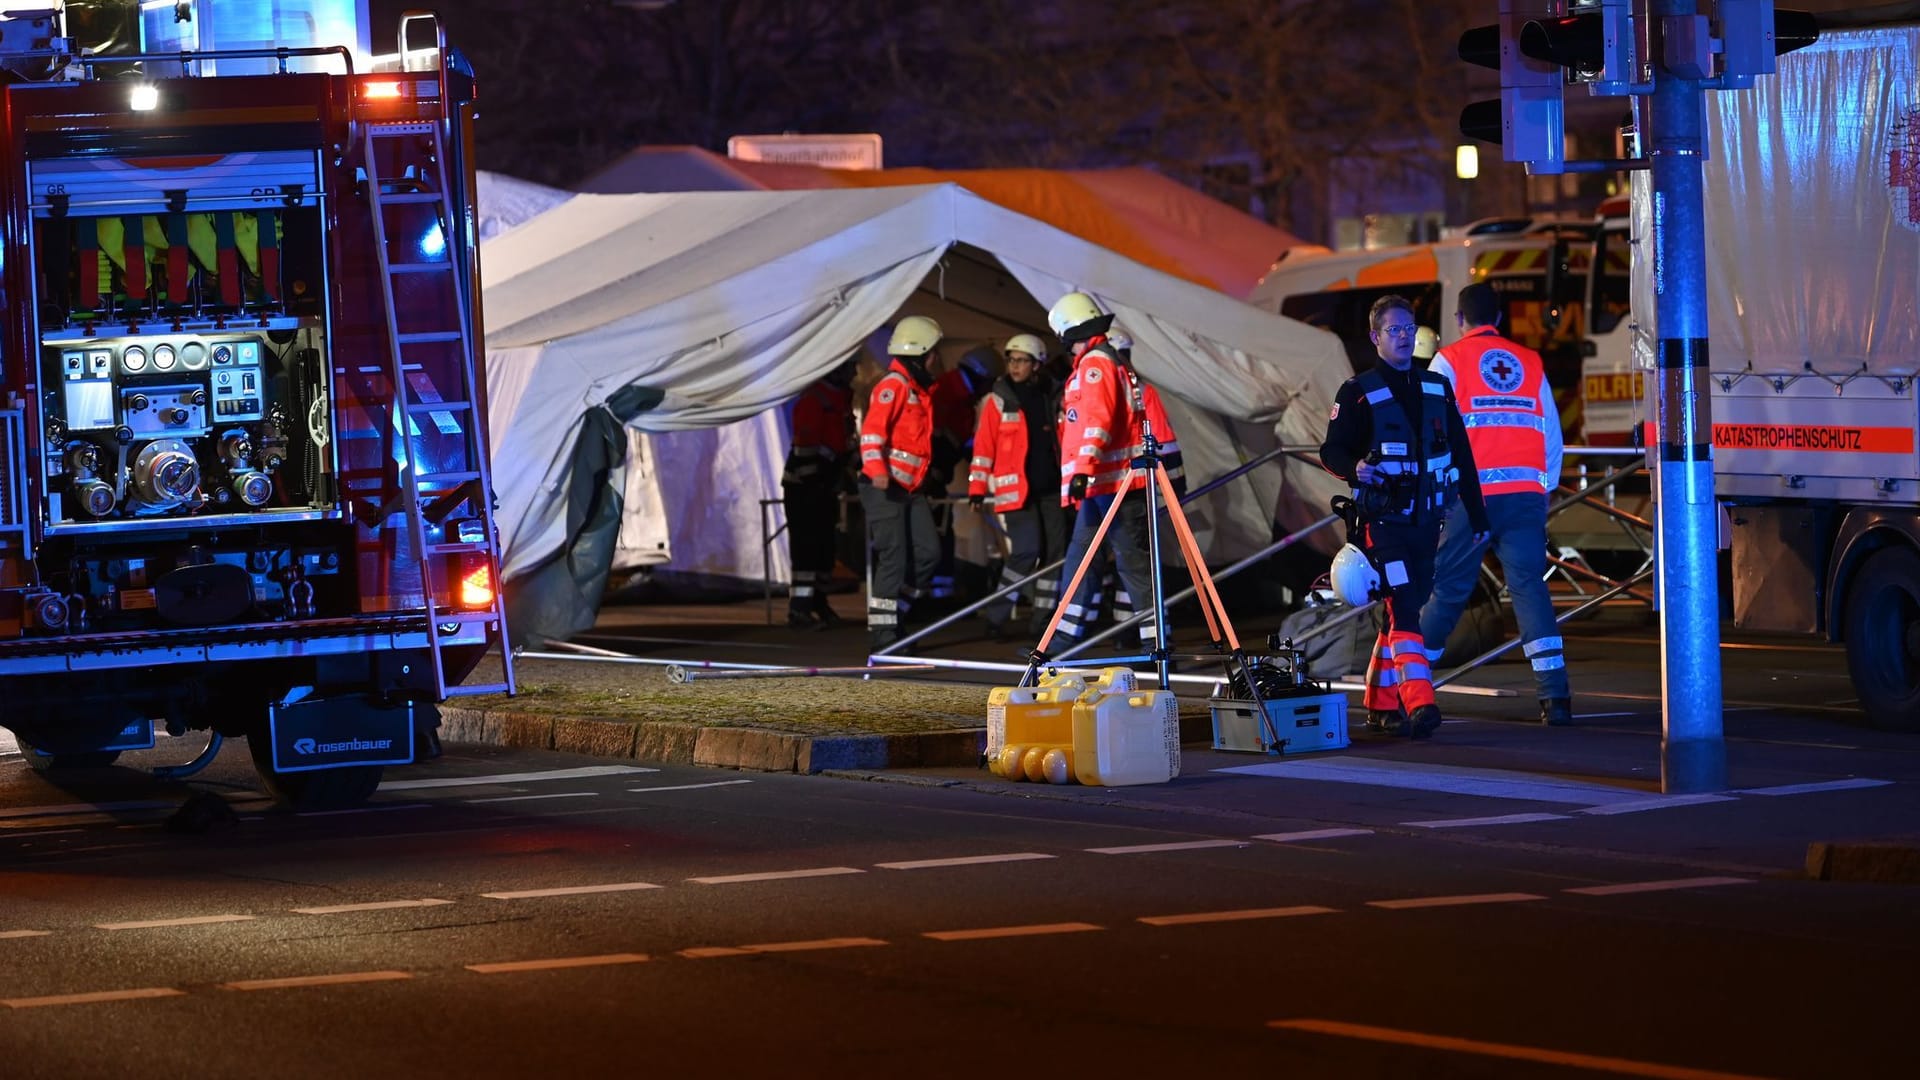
column 1297, row 90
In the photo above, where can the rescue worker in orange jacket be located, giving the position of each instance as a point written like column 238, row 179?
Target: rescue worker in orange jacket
column 1396, row 435
column 1514, row 427
column 1102, row 580
column 1015, row 465
column 810, row 488
column 896, row 451
column 1106, row 407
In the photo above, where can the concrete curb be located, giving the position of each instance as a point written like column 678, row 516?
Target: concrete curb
column 1888, row 861
column 719, row 747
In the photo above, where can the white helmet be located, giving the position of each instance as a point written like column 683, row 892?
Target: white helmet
column 1072, row 310
column 1353, row 576
column 915, row 335
column 1425, row 343
column 1120, row 340
column 1028, row 344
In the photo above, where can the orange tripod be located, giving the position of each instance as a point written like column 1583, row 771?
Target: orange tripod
column 1219, row 628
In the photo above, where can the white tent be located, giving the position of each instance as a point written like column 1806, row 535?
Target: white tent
column 505, row 201
column 730, row 303
column 646, row 527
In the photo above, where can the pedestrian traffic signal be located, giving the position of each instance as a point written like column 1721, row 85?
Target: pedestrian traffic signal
column 1529, row 120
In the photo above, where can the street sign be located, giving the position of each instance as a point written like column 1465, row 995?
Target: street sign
column 826, row 151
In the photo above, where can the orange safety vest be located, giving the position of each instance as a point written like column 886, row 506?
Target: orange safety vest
column 896, row 437
column 1102, row 432
column 1501, row 387
column 1000, row 454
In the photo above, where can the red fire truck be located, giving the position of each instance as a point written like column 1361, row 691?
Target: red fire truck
column 243, row 465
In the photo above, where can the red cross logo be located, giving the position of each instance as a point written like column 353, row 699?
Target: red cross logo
column 1502, row 371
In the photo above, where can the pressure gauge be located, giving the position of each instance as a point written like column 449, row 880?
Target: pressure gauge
column 163, row 357
column 193, row 356
column 134, row 358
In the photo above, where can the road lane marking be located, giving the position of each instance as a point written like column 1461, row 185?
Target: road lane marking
column 380, row 808
column 342, row 979
column 10, row 935
column 1011, row 931
column 573, row 890
column 378, row 905
column 1661, row 802
column 91, row 998
column 691, row 787
column 1775, row 706
column 1596, row 1063
column 813, row 946
column 43, row 832
column 1236, row 916
column 964, row 860
column 777, row 875
column 1659, row 886
column 16, row 826
column 87, row 808
column 1453, row 901
column 1147, row 849
column 1497, row 819
column 557, row 963
column 529, row 798
column 1604, row 715
column 1312, row 834
column 582, row 773
column 198, row 920
column 1446, row 779
column 1808, row 789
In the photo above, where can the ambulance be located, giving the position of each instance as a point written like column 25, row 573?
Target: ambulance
column 1539, row 272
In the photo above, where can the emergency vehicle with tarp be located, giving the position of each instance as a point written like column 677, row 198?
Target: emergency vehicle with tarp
column 243, row 475
column 1812, row 197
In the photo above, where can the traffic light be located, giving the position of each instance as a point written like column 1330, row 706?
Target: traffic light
column 1591, row 39
column 1529, row 120
column 1753, row 32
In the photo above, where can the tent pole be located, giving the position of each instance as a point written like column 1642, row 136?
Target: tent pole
column 1205, row 489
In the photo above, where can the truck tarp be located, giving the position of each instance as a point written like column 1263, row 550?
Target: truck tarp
column 1812, row 193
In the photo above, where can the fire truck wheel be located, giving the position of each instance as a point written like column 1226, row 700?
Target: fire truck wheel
column 1882, row 626
column 323, row 789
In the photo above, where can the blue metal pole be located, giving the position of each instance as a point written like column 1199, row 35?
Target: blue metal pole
column 1692, row 749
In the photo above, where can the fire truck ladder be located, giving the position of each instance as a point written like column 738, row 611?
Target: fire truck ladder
column 477, row 482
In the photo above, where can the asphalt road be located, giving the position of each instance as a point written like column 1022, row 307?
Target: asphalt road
column 523, row 913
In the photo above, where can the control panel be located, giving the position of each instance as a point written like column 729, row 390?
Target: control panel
column 171, row 425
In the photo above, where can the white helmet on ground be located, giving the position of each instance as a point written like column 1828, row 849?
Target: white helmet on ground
column 915, row 335
column 1353, row 576
column 1071, row 310
column 1026, row 343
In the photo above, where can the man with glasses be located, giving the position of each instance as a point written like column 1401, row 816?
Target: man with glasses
column 1396, row 435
